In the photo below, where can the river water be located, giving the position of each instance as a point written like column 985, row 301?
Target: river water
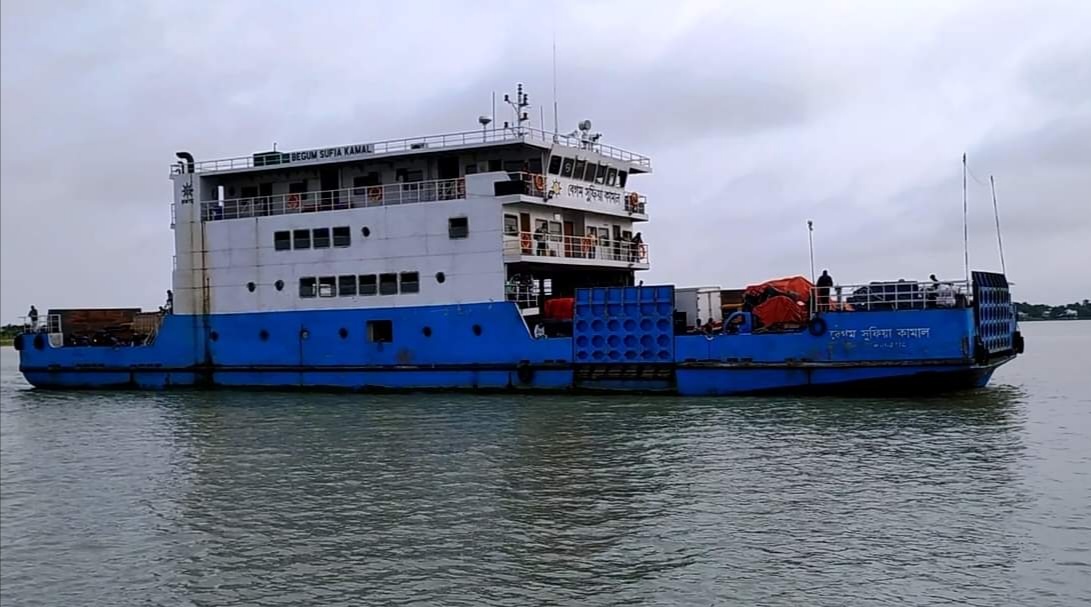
column 213, row 498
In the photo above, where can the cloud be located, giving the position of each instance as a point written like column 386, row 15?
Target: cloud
column 758, row 116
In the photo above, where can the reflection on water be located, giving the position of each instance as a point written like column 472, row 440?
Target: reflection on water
column 203, row 498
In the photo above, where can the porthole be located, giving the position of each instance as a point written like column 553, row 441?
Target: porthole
column 214, row 336
column 343, row 332
column 250, row 286
column 304, row 334
column 427, row 331
column 279, row 285
column 264, row 335
column 477, row 329
column 440, row 277
column 366, row 231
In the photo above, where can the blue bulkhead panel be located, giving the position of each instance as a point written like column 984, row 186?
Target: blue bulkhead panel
column 623, row 325
column 993, row 311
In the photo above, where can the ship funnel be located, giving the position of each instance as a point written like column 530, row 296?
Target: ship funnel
column 186, row 156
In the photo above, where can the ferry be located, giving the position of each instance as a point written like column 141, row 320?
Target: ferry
column 503, row 258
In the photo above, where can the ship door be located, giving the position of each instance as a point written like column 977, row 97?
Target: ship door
column 447, row 167
column 330, row 182
column 569, row 231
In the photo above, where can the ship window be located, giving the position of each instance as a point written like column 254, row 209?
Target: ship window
column 471, row 169
column 611, row 176
column 342, row 236
column 410, row 282
column 494, row 165
column 327, row 286
column 622, row 177
column 513, row 166
column 388, row 284
column 298, row 187
column 301, row 239
column 380, row 331
column 535, row 165
column 321, row 238
column 589, row 174
column 346, row 285
column 458, row 227
column 511, row 224
column 554, row 227
column 577, row 172
column 279, row 285
column 554, row 165
column 282, row 241
column 308, row 287
column 368, row 286
column 566, row 167
column 600, row 174
column 366, row 231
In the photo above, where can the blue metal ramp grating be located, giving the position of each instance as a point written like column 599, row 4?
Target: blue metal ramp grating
column 626, row 325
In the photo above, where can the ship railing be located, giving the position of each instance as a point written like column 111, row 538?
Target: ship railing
column 552, row 245
column 893, row 295
column 50, row 323
column 536, row 185
column 432, row 142
column 330, row 200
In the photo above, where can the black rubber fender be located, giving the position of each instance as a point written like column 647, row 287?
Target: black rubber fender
column 981, row 353
column 817, row 326
column 18, row 343
column 39, row 342
column 524, row 372
column 1017, row 343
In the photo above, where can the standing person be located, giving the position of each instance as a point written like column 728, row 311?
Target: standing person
column 540, row 235
column 638, row 244
column 824, row 283
column 170, row 301
column 32, row 315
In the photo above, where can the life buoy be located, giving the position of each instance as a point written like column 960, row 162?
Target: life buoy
column 293, row 201
column 633, row 200
column 524, row 372
column 817, row 326
column 374, row 193
column 525, row 241
column 588, row 244
column 539, row 183
column 461, row 187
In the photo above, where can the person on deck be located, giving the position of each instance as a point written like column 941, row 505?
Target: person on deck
column 32, row 315
column 540, row 235
column 170, row 301
column 638, row 244
column 824, row 283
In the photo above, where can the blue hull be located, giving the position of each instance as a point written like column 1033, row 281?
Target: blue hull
column 488, row 347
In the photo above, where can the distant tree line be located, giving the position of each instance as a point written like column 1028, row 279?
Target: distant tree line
column 10, row 331
column 1047, row 312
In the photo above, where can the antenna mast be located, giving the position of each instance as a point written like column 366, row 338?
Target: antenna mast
column 996, row 213
column 965, row 224
column 555, row 127
column 521, row 101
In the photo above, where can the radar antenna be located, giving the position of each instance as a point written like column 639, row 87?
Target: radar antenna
column 522, row 100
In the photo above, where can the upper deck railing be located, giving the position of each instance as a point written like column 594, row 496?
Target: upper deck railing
column 329, row 200
column 898, row 295
column 432, row 142
column 374, row 196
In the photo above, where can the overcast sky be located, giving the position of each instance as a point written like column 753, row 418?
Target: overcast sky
column 758, row 116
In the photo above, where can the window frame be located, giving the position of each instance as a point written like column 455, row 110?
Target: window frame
column 457, row 233
column 342, row 281
column 385, row 280
column 367, row 282
column 285, row 244
column 308, row 287
column 322, row 241
column 515, row 222
column 327, row 286
column 345, row 237
column 589, row 171
column 555, row 165
column 306, row 237
column 415, row 282
column 567, row 165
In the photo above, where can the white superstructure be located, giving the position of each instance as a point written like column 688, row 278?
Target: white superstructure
column 438, row 220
